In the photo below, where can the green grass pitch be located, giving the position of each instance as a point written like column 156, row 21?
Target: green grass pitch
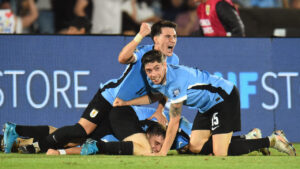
column 254, row 160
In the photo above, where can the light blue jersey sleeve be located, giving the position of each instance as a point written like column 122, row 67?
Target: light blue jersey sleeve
column 141, row 50
column 177, row 89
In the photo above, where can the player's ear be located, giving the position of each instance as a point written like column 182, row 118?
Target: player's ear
column 155, row 39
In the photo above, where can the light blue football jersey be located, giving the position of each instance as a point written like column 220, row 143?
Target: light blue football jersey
column 132, row 83
column 195, row 88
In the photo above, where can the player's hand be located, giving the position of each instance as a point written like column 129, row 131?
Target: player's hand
column 52, row 152
column 160, row 154
column 161, row 118
column 119, row 102
column 145, row 29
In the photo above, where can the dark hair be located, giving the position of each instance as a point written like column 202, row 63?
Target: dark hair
column 81, row 22
column 156, row 28
column 152, row 56
column 156, row 129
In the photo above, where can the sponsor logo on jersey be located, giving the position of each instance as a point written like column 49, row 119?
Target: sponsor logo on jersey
column 94, row 113
column 176, row 92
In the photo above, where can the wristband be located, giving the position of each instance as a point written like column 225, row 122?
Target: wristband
column 138, row 38
column 62, row 152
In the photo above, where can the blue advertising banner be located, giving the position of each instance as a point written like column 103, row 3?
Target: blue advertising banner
column 51, row 79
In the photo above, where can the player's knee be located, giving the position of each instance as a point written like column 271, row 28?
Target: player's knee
column 220, row 151
column 196, row 146
column 88, row 126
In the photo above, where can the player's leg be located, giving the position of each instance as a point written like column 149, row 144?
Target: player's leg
column 97, row 109
column 198, row 140
column 225, row 119
column 13, row 131
column 126, row 126
column 221, row 143
column 200, row 132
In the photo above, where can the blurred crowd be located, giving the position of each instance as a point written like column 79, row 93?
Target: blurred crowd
column 113, row 16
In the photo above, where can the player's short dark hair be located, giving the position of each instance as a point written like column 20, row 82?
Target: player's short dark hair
column 152, row 56
column 156, row 28
column 156, row 129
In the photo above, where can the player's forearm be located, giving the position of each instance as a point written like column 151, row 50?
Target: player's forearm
column 126, row 55
column 73, row 150
column 175, row 114
column 170, row 135
column 139, row 101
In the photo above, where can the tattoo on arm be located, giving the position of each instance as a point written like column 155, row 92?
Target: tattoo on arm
column 175, row 109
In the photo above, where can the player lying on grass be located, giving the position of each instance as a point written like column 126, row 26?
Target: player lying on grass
column 216, row 99
column 130, row 126
column 239, row 144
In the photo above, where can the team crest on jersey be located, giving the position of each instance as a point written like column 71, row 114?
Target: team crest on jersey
column 207, row 9
column 94, row 113
column 176, row 92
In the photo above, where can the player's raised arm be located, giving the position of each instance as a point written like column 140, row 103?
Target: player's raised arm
column 175, row 114
column 126, row 55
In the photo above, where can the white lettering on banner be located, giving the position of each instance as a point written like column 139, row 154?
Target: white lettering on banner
column 78, row 88
column 270, row 90
column 14, row 74
column 288, row 76
column 28, row 89
column 58, row 89
column 61, row 90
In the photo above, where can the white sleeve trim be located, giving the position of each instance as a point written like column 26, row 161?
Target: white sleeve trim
column 197, row 84
column 135, row 58
column 179, row 100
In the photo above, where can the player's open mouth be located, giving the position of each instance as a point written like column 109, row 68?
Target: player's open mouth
column 170, row 47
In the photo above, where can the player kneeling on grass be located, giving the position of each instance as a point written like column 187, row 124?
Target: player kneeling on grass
column 216, row 99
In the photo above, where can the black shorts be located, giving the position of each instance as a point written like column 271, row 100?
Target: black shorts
column 102, row 130
column 97, row 109
column 224, row 117
column 124, row 122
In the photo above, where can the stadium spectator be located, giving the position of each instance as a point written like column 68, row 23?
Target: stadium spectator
column 187, row 22
column 63, row 13
column 45, row 21
column 171, row 8
column 107, row 17
column 219, row 18
column 295, row 4
column 79, row 25
column 134, row 13
column 25, row 15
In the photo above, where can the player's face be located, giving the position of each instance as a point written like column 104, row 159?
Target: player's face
column 156, row 72
column 156, row 142
column 166, row 41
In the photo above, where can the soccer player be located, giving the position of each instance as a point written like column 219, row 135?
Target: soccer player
column 216, row 99
column 130, row 85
